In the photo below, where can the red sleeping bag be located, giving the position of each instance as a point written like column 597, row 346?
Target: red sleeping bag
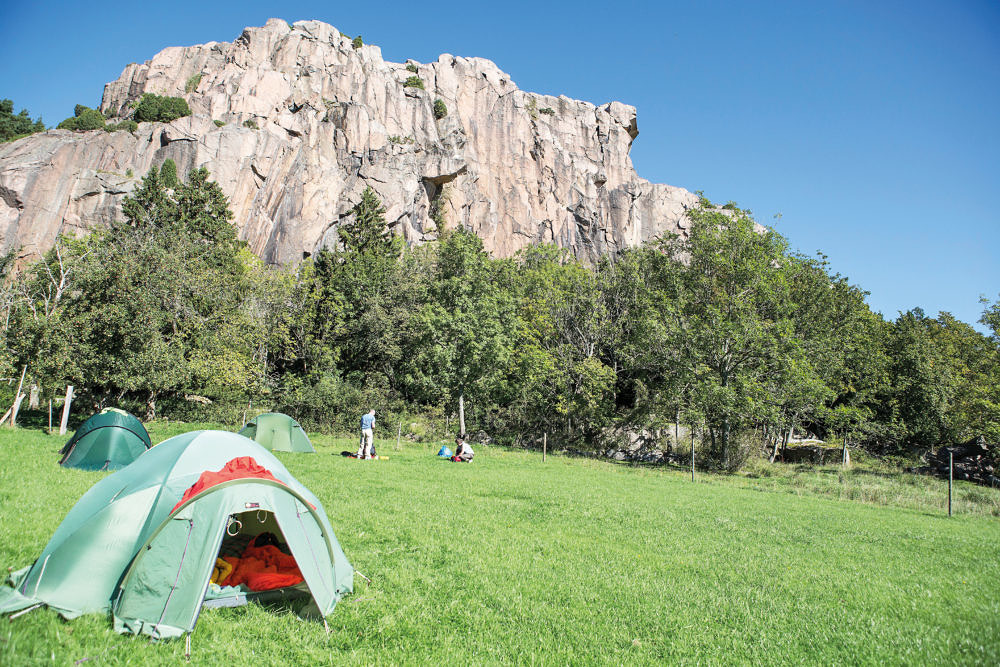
column 238, row 468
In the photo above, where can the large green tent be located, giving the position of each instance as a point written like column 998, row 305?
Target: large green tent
column 109, row 440
column 278, row 432
column 134, row 545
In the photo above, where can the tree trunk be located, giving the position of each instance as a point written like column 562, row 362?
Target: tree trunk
column 724, row 435
column 461, row 414
column 725, row 441
column 151, row 407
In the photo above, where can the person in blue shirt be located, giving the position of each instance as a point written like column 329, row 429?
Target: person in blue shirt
column 366, row 449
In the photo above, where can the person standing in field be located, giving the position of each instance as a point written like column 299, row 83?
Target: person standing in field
column 367, row 446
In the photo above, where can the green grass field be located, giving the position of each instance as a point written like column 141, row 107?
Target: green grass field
column 573, row 561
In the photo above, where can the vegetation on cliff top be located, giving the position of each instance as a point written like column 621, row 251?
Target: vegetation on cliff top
column 161, row 109
column 14, row 126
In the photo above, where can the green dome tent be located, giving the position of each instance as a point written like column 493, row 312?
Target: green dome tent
column 139, row 544
column 109, row 440
column 278, row 432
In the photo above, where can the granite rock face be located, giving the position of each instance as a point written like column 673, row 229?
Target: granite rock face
column 514, row 167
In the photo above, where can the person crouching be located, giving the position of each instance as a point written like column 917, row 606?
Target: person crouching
column 463, row 452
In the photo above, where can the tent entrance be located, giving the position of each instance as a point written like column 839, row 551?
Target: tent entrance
column 246, row 536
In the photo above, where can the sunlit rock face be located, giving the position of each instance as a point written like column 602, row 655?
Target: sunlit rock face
column 294, row 123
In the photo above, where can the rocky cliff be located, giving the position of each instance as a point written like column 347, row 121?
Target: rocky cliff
column 515, row 167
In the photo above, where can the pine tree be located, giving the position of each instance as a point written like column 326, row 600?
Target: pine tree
column 367, row 233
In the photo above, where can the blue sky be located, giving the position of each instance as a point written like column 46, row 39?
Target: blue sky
column 870, row 127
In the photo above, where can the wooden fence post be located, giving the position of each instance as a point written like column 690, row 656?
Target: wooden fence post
column 50, row 416
column 15, row 410
column 692, row 452
column 951, row 471
column 65, row 414
column 399, row 434
column 545, row 438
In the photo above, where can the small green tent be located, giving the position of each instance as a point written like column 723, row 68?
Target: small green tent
column 134, row 545
column 278, row 432
column 109, row 440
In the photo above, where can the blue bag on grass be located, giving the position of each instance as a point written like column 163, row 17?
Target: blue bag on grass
column 445, row 453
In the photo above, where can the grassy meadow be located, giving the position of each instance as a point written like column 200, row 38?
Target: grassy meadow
column 509, row 560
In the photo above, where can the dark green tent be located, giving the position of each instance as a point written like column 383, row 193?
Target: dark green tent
column 109, row 440
column 278, row 432
column 139, row 545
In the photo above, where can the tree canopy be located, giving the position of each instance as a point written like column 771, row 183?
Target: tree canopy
column 721, row 327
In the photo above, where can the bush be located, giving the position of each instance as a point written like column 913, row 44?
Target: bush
column 218, row 123
column 123, row 126
column 410, row 67
column 548, row 111
column 440, row 110
column 414, row 82
column 251, row 123
column 396, row 139
column 84, row 119
column 357, row 43
column 192, row 83
column 129, row 173
column 160, row 109
column 15, row 126
column 533, row 108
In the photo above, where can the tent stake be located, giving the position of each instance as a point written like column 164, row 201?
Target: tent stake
column 326, row 625
column 363, row 577
column 187, row 647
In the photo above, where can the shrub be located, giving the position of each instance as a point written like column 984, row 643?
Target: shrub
column 410, row 67
column 251, row 123
column 160, row 109
column 219, row 123
column 440, row 110
column 548, row 111
column 414, row 82
column 14, row 126
column 357, row 42
column 192, row 83
column 125, row 125
column 129, row 173
column 533, row 108
column 396, row 139
column 84, row 118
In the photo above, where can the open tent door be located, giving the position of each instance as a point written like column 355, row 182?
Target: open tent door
column 164, row 590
